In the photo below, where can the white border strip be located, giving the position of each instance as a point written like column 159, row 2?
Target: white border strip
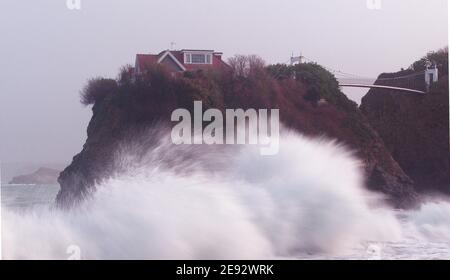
column 1, row 229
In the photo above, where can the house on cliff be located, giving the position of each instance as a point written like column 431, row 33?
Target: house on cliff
column 181, row 60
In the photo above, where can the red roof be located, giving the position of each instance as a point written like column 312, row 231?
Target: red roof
column 143, row 60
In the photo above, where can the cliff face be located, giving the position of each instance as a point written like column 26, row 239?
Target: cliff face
column 310, row 103
column 415, row 130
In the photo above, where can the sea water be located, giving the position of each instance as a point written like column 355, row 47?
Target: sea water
column 17, row 197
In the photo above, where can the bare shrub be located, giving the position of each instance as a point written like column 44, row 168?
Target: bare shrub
column 126, row 74
column 96, row 89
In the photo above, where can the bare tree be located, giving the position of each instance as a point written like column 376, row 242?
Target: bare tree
column 246, row 65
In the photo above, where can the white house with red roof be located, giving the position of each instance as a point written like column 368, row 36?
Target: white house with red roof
column 181, row 60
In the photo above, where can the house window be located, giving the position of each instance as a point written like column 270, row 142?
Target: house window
column 187, row 58
column 197, row 58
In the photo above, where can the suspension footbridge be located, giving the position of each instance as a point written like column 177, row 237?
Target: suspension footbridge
column 408, row 83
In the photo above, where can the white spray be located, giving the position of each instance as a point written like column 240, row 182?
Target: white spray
column 308, row 199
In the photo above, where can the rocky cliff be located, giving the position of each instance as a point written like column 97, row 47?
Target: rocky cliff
column 415, row 130
column 307, row 95
column 414, row 127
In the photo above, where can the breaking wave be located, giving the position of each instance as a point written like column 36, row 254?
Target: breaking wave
column 224, row 203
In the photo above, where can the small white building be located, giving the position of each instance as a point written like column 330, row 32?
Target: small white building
column 431, row 76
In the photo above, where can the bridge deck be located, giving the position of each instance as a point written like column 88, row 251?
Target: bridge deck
column 383, row 87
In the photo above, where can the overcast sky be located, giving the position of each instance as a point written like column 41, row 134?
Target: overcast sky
column 47, row 51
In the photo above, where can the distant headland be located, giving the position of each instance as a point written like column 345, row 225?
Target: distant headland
column 42, row 176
